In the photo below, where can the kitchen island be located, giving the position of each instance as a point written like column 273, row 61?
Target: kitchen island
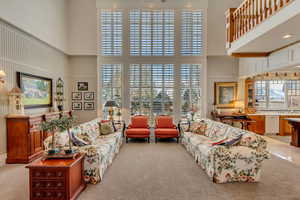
column 295, row 123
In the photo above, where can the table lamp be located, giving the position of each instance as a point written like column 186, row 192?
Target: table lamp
column 240, row 105
column 111, row 104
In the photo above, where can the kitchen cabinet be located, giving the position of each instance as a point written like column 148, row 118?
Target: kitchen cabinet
column 259, row 125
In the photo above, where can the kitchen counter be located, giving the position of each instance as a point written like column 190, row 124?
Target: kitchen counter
column 293, row 119
column 276, row 113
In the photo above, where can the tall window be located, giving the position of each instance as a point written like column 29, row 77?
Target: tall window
column 190, row 90
column 151, row 89
column 111, row 32
column 111, row 84
column 191, row 33
column 151, row 32
column 293, row 93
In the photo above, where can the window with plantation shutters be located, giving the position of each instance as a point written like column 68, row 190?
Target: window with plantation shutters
column 111, row 33
column 111, row 76
column 191, row 33
column 151, row 32
column 151, row 89
column 190, row 90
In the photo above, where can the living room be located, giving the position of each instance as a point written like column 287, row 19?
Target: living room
column 150, row 99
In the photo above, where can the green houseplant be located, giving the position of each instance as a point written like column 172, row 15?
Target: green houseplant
column 65, row 124
column 51, row 126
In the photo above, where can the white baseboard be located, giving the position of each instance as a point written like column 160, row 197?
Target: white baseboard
column 2, row 159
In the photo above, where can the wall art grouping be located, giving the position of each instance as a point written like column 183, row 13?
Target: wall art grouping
column 82, row 94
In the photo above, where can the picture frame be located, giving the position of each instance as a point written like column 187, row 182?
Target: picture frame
column 225, row 94
column 37, row 90
column 82, row 86
column 89, row 96
column 76, row 105
column 76, row 96
column 89, row 106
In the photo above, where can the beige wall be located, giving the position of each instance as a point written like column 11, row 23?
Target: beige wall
column 219, row 69
column 23, row 53
column 84, row 68
column 44, row 19
column 82, row 27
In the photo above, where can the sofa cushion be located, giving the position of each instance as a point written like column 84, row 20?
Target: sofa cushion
column 164, row 122
column 199, row 139
column 232, row 141
column 199, row 128
column 217, row 131
column 75, row 137
column 166, row 131
column 106, row 128
column 138, row 131
column 139, row 122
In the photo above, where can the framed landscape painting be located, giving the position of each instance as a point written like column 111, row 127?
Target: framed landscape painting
column 37, row 90
column 225, row 94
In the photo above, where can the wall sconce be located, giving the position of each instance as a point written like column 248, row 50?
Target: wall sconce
column 2, row 76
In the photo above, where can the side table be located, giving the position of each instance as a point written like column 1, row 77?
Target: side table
column 57, row 179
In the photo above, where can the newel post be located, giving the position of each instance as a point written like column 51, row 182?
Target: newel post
column 230, row 26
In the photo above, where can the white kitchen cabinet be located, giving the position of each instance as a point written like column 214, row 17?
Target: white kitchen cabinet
column 272, row 124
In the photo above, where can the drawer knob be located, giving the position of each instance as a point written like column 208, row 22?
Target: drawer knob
column 48, row 194
column 59, row 184
column 59, row 194
column 37, row 184
column 48, row 185
column 38, row 194
column 37, row 173
column 59, row 173
column 48, row 174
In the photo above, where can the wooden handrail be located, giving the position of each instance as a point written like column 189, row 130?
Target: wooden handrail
column 248, row 15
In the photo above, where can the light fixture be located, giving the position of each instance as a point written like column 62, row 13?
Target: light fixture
column 287, row 36
column 2, row 76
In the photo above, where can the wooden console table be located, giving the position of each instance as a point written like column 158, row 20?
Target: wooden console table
column 57, row 179
column 242, row 118
column 295, row 123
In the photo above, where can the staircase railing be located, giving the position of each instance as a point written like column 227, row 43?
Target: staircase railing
column 249, row 14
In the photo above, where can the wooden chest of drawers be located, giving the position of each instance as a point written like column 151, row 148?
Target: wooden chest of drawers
column 56, row 179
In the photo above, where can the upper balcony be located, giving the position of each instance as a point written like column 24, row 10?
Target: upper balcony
column 260, row 27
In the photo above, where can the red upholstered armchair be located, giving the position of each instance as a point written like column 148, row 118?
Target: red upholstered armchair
column 165, row 128
column 138, row 128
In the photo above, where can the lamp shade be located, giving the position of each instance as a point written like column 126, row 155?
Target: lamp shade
column 2, row 74
column 111, row 103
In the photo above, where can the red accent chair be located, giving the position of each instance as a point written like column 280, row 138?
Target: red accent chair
column 165, row 128
column 138, row 128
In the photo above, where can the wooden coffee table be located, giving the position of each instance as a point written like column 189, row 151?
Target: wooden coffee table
column 60, row 179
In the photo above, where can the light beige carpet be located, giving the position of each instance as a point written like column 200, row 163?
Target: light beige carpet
column 285, row 139
column 165, row 171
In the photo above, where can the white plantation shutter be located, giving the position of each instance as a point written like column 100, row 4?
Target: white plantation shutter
column 151, row 89
column 111, row 32
column 151, row 32
column 191, row 33
column 190, row 87
column 111, row 76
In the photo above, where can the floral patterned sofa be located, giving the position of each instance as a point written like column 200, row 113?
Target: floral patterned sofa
column 99, row 152
column 237, row 163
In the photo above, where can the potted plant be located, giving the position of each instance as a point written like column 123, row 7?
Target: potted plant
column 51, row 126
column 65, row 124
column 193, row 111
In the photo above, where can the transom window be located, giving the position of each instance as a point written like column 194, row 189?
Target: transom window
column 191, row 33
column 111, row 31
column 151, row 89
column 151, row 32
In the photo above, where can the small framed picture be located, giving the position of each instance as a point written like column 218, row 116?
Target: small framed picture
column 76, row 106
column 89, row 96
column 89, row 106
column 76, row 96
column 82, row 86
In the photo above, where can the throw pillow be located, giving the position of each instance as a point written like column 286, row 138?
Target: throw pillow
column 105, row 128
column 199, row 128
